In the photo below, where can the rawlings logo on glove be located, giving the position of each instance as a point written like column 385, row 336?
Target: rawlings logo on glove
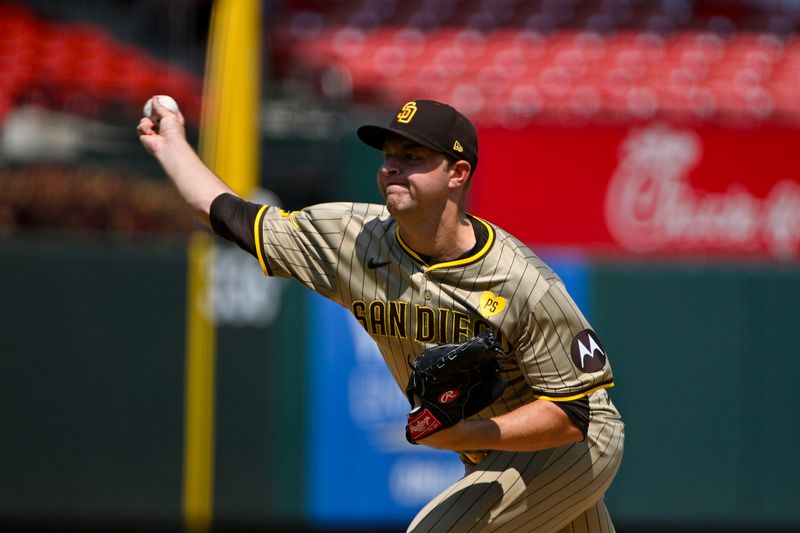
column 453, row 382
column 422, row 424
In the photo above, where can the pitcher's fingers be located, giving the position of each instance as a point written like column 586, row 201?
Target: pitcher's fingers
column 146, row 126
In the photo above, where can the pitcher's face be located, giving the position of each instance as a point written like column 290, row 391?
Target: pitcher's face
column 412, row 176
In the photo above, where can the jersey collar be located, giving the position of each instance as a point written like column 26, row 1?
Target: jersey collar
column 457, row 262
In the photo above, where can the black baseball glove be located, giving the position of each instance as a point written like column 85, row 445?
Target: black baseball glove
column 453, row 381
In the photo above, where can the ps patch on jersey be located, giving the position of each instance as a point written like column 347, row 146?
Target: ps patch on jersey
column 587, row 351
column 491, row 304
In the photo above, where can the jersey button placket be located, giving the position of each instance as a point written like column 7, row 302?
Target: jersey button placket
column 426, row 294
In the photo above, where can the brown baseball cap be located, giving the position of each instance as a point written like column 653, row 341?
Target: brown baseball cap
column 432, row 124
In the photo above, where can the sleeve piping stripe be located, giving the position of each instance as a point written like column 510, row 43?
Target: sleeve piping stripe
column 257, row 239
column 574, row 396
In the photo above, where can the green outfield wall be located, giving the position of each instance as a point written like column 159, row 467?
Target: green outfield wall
column 91, row 386
column 705, row 356
column 92, row 337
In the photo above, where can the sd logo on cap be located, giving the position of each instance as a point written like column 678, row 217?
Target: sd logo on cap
column 432, row 124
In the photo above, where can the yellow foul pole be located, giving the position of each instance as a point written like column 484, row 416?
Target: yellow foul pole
column 229, row 127
column 229, row 136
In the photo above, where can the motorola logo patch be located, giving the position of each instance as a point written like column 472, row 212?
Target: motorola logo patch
column 587, row 351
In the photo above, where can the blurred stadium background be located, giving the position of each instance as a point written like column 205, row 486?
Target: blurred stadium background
column 647, row 148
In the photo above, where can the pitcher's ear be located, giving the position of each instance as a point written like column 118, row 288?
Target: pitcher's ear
column 461, row 170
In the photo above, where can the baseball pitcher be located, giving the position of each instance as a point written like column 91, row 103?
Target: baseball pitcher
column 496, row 360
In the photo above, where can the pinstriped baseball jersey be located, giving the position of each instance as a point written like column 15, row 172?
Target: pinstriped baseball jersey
column 354, row 255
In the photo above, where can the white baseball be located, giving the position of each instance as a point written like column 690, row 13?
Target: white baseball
column 167, row 101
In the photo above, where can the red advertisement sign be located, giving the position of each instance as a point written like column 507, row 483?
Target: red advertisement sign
column 654, row 188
